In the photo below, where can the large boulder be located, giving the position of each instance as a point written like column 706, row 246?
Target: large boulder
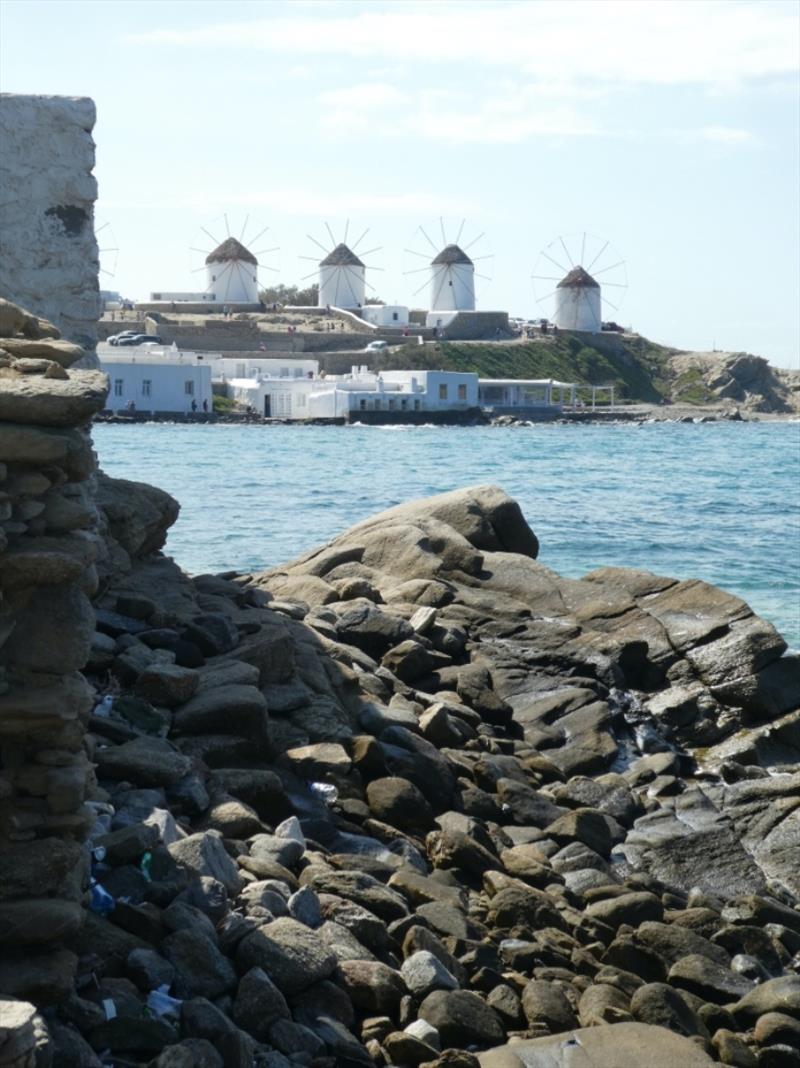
column 622, row 1045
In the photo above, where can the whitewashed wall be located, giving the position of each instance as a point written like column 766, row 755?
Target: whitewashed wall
column 48, row 251
column 341, row 287
column 452, row 287
column 578, row 308
column 173, row 386
column 233, row 281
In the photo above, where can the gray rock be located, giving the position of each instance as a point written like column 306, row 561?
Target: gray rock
column 204, row 854
column 708, row 980
column 399, row 803
column 776, row 995
column 291, row 954
column 662, row 1006
column 144, row 762
column 623, row 1045
column 304, row 907
column 422, row 972
column 259, row 1004
column 373, row 987
column 545, row 1005
column 201, row 970
column 462, row 1018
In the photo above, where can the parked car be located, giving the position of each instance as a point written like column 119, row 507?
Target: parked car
column 376, row 346
column 116, row 338
column 139, row 339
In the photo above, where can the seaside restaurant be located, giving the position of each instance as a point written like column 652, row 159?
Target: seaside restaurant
column 507, row 395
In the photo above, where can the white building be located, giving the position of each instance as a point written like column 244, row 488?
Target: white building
column 163, row 381
column 508, row 394
column 578, row 304
column 344, row 396
column 452, row 282
column 341, row 279
column 385, row 314
column 232, row 273
column 225, row 368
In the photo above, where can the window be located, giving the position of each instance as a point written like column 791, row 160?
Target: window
column 363, row 404
column 443, row 391
column 404, row 403
column 301, row 400
column 462, row 391
column 213, row 278
column 146, row 384
column 392, row 404
column 241, row 370
column 118, row 387
column 188, row 388
column 395, row 316
column 377, row 405
column 417, row 405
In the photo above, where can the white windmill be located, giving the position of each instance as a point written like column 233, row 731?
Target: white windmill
column 231, row 268
column 576, row 302
column 450, row 274
column 341, row 272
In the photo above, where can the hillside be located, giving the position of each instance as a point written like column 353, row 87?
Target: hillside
column 641, row 370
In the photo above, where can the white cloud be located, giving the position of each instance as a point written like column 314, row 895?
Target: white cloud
column 706, row 42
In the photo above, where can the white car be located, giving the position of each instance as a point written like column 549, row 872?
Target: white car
column 377, row 346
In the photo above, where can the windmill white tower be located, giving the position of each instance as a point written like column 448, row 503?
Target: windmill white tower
column 232, row 273
column 578, row 299
column 231, row 269
column 341, row 272
column 342, row 279
column 578, row 304
column 450, row 275
column 452, row 282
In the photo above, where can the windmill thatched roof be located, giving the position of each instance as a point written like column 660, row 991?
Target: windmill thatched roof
column 341, row 257
column 578, row 278
column 451, row 254
column 231, row 249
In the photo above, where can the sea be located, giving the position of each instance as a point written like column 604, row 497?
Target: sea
column 715, row 501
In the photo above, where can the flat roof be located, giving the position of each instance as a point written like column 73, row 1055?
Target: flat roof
column 524, row 382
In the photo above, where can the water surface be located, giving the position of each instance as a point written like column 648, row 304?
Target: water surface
column 714, row 501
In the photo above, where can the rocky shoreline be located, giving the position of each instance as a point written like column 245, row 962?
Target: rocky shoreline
column 410, row 799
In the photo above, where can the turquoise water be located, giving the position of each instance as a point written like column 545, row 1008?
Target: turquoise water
column 714, row 501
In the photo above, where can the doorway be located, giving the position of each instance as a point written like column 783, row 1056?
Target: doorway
column 267, row 406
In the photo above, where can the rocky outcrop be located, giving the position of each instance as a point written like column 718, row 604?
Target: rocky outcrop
column 414, row 799
column 735, row 378
column 48, row 547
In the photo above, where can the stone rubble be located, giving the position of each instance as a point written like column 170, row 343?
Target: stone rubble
column 410, row 800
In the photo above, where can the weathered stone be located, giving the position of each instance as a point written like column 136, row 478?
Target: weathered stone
column 144, row 761
column 201, row 970
column 461, row 1018
column 204, row 854
column 399, row 803
column 422, row 972
column 291, row 955
column 372, row 987
column 708, row 980
column 259, row 1004
column 623, row 1045
column 166, row 684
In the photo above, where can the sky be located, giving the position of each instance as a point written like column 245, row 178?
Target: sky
column 668, row 129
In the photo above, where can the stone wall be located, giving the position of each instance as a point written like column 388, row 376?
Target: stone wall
column 48, row 251
column 49, row 543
